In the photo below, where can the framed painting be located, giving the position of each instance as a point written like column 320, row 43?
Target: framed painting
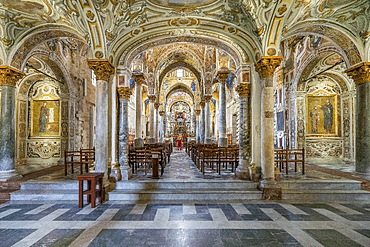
column 280, row 121
column 45, row 118
column 321, row 116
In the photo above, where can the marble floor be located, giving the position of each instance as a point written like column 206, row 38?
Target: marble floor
column 253, row 223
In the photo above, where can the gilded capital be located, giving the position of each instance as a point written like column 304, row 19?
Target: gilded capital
column 197, row 112
column 207, row 98
column 267, row 65
column 156, row 105
column 102, row 68
column 9, row 76
column 124, row 92
column 152, row 97
column 139, row 78
column 243, row 89
column 222, row 75
column 202, row 104
column 360, row 73
column 161, row 113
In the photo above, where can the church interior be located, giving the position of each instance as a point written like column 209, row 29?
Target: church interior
column 274, row 93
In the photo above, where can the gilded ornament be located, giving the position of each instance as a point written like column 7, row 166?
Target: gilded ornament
column 156, row 105
column 102, row 68
column 269, row 114
column 138, row 78
column 207, row 98
column 99, row 54
column 90, row 15
column 271, row 51
column 243, row 89
column 282, row 9
column 152, row 97
column 197, row 112
column 161, row 113
column 202, row 104
column 9, row 76
column 222, row 75
column 267, row 65
column 124, row 92
column 360, row 73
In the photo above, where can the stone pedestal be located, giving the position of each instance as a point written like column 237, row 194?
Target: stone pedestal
column 8, row 80
column 124, row 168
column 361, row 75
column 103, row 70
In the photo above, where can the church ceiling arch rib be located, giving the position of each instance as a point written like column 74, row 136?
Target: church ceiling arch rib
column 179, row 88
column 38, row 36
column 351, row 50
column 179, row 64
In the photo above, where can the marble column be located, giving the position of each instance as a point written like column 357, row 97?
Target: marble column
column 156, row 121
column 207, row 119
column 161, row 127
column 8, row 80
column 151, row 138
column 197, row 125
column 221, row 77
column 139, row 80
column 266, row 67
column 242, row 171
column 103, row 70
column 124, row 96
column 202, row 122
column 361, row 75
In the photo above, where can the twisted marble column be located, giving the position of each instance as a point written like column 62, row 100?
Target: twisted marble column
column 139, row 80
column 151, row 138
column 197, row 126
column 266, row 67
column 103, row 70
column 221, row 77
column 124, row 96
column 207, row 120
column 8, row 80
column 361, row 75
column 242, row 171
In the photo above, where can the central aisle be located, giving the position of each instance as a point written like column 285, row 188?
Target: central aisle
column 181, row 168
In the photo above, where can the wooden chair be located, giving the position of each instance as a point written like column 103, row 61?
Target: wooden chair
column 71, row 158
column 87, row 158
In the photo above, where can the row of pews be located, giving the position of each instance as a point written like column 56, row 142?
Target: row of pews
column 210, row 157
column 142, row 158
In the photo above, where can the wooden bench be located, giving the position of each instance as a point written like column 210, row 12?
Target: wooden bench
column 285, row 157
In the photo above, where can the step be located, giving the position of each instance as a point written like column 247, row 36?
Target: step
column 163, row 185
column 327, row 195
column 314, row 184
column 184, row 195
column 44, row 195
column 50, row 185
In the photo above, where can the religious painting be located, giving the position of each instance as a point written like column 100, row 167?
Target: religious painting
column 45, row 118
column 321, row 116
column 121, row 80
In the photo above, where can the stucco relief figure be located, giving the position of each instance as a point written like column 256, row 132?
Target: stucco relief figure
column 315, row 118
column 328, row 116
column 44, row 117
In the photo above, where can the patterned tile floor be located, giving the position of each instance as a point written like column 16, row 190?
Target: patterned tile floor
column 190, row 224
column 256, row 223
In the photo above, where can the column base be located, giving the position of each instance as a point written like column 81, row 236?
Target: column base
column 9, row 176
column 138, row 142
column 208, row 141
column 270, row 189
column 222, row 142
column 242, row 173
column 126, row 173
column 116, row 173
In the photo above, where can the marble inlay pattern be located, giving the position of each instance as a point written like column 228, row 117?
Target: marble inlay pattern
column 190, row 224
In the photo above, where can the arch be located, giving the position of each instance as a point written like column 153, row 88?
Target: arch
column 172, row 66
column 344, row 42
column 29, row 40
column 238, row 43
column 179, row 87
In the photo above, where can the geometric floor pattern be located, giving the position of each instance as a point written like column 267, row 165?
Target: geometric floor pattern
column 258, row 223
